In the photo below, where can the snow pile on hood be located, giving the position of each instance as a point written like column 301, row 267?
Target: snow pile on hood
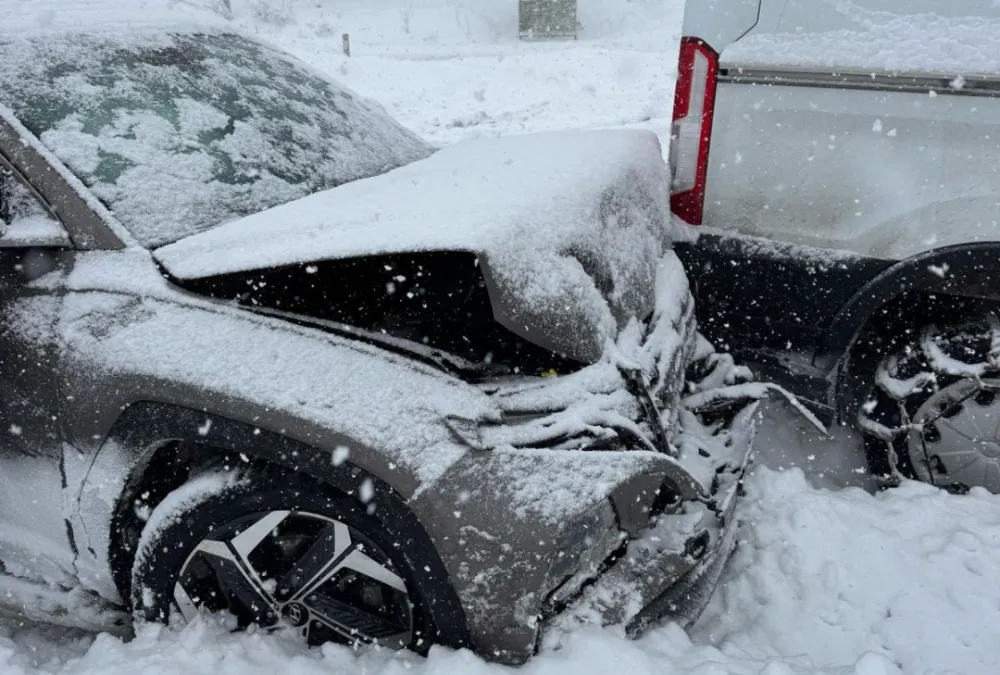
column 882, row 41
column 825, row 583
column 569, row 227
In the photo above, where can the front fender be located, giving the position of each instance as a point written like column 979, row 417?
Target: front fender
column 112, row 484
column 317, row 390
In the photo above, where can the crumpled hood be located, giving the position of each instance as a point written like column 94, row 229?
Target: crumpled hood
column 568, row 228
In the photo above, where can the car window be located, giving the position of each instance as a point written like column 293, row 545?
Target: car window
column 29, row 223
column 177, row 133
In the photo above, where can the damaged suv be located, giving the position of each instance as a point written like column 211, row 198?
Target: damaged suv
column 266, row 352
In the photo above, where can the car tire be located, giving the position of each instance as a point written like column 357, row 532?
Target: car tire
column 933, row 412
column 282, row 550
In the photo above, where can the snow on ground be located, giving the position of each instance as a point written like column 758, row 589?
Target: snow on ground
column 824, row 583
column 828, row 580
column 453, row 69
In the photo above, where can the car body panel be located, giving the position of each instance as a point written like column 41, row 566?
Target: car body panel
column 894, row 36
column 34, row 541
column 883, row 174
column 721, row 22
column 854, row 157
column 455, row 491
column 108, row 333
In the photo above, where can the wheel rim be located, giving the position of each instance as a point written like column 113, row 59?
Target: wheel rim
column 292, row 568
column 955, row 440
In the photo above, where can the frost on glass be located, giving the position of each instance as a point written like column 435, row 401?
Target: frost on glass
column 179, row 133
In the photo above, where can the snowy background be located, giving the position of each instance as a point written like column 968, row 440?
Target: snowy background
column 829, row 578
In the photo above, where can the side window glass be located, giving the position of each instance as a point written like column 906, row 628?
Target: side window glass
column 24, row 219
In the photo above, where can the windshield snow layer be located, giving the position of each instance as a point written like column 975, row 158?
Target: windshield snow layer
column 177, row 133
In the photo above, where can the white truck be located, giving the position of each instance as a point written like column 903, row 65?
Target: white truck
column 843, row 161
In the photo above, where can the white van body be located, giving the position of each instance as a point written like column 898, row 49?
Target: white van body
column 867, row 126
column 843, row 160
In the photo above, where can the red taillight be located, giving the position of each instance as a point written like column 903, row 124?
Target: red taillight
column 694, row 104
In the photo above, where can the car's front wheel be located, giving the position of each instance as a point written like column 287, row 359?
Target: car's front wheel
column 279, row 551
column 934, row 411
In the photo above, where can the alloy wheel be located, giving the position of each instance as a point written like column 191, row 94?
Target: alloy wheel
column 292, row 568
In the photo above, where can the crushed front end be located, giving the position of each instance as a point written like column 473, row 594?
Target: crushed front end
column 656, row 547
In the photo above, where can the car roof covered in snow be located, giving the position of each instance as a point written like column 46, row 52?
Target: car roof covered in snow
column 569, row 227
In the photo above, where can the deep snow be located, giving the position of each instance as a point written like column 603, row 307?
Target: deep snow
column 827, row 580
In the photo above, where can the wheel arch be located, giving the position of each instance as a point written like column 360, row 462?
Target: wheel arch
column 955, row 282
column 151, row 437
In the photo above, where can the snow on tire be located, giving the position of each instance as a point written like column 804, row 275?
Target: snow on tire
column 933, row 413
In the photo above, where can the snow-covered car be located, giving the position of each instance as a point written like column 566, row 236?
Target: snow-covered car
column 267, row 352
column 850, row 202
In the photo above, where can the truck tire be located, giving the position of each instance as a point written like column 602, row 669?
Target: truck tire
column 933, row 413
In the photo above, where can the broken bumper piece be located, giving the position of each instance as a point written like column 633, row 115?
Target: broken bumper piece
column 683, row 600
column 669, row 571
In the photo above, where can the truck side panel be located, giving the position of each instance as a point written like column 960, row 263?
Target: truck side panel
column 880, row 173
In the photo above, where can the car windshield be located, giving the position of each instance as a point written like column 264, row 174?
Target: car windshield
column 177, row 133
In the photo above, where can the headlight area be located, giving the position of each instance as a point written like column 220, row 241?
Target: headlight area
column 643, row 537
column 594, row 542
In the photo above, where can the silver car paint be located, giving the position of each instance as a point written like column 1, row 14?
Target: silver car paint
column 117, row 333
column 100, row 377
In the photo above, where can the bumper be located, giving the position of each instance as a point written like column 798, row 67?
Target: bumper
column 669, row 571
column 684, row 600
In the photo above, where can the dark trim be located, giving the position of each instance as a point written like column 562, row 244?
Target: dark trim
column 434, row 358
column 85, row 227
column 5, row 165
column 967, row 271
column 970, row 270
column 147, row 426
column 756, row 294
column 973, row 85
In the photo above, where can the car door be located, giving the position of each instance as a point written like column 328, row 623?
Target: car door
column 35, row 252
